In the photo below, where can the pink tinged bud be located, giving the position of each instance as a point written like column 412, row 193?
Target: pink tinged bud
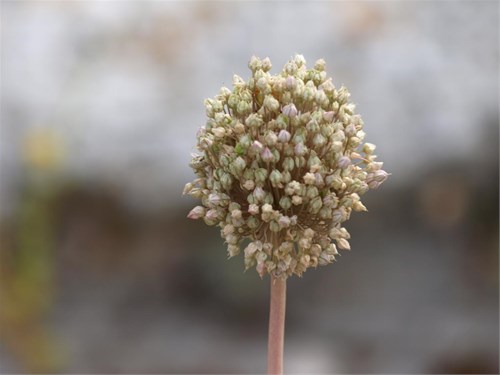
column 253, row 209
column 291, row 83
column 236, row 214
column 259, row 194
column 319, row 180
column 300, row 149
column 350, row 130
column 214, row 199
column 289, row 110
column 328, row 116
column 211, row 215
column 196, row 213
column 337, row 216
column 261, row 269
column 344, row 162
column 284, row 222
column 266, row 155
column 228, row 229
column 256, row 146
column 284, row 136
column 380, row 175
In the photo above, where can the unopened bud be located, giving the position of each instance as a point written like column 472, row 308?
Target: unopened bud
column 289, row 110
column 196, row 213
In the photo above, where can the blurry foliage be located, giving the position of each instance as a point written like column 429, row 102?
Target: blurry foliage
column 27, row 284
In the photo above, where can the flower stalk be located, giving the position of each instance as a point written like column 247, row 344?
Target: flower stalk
column 276, row 326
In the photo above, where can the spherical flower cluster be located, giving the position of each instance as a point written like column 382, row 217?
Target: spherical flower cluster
column 282, row 165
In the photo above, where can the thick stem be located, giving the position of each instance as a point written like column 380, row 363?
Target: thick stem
column 276, row 326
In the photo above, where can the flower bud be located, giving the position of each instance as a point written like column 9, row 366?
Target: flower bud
column 344, row 162
column 342, row 243
column 300, row 149
column 249, row 185
column 288, row 164
column 296, row 200
column 261, row 175
column 284, row 136
column 271, row 138
column 284, row 222
column 285, row 202
column 196, row 213
column 253, row 209
column 271, row 103
column 266, row 155
column 233, row 250
column 289, row 110
column 275, row 177
column 214, row 199
column 266, row 64
column 309, row 178
column 320, row 65
column 291, row 83
column 315, row 205
column 259, row 194
column 368, row 148
column 254, row 120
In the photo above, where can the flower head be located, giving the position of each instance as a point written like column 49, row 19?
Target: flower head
column 282, row 163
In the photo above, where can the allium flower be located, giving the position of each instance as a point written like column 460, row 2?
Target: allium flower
column 282, row 163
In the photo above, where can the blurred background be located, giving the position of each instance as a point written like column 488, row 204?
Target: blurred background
column 101, row 272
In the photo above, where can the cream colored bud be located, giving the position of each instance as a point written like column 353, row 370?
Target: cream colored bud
column 219, row 132
column 342, row 243
column 233, row 250
column 320, row 65
column 254, row 64
column 296, row 200
column 271, row 138
column 359, row 207
column 271, row 103
column 239, row 128
column 309, row 178
column 249, row 185
column 368, row 148
column 266, row 64
column 228, row 229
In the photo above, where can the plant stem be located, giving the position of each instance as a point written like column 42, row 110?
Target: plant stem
column 276, row 326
